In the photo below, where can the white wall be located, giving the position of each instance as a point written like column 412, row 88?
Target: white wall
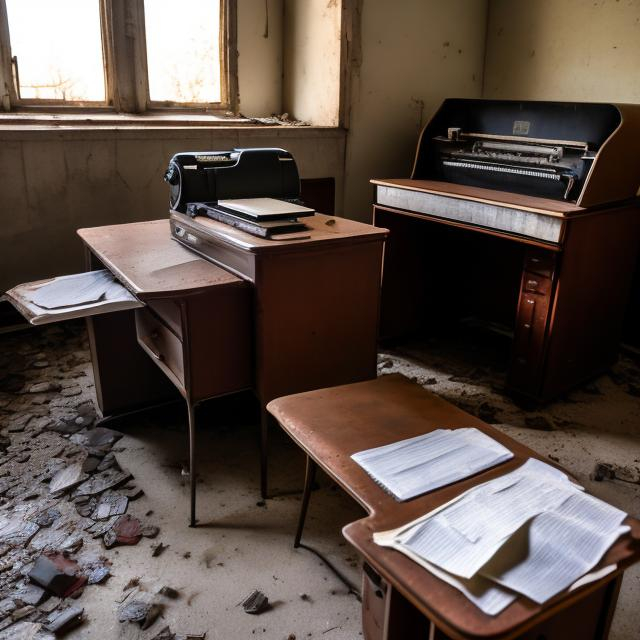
column 415, row 53
column 563, row 50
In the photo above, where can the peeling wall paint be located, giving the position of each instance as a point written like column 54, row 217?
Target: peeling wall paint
column 311, row 69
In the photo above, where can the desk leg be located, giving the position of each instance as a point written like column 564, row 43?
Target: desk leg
column 264, row 452
column 309, row 479
column 192, row 460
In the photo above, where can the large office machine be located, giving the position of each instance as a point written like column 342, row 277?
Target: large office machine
column 519, row 215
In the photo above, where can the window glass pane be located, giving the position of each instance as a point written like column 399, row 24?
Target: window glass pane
column 183, row 50
column 59, row 48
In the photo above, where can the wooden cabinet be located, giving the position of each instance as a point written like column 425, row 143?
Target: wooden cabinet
column 564, row 301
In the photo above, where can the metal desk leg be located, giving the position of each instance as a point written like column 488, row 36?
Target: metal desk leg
column 264, row 438
column 192, row 460
column 309, row 479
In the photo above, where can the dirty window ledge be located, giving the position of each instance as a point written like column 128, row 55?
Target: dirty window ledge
column 139, row 121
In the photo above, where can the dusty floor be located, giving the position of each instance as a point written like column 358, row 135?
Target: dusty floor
column 243, row 544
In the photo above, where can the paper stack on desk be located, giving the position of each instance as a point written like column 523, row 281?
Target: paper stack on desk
column 414, row 466
column 531, row 532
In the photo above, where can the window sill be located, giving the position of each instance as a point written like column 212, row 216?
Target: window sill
column 97, row 120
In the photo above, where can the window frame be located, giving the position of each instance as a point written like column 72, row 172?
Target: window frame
column 126, row 77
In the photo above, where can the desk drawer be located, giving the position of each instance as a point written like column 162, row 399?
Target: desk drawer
column 161, row 344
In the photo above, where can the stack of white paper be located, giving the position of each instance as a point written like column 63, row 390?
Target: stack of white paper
column 531, row 532
column 414, row 466
column 74, row 296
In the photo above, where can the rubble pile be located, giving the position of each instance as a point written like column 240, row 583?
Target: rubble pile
column 64, row 495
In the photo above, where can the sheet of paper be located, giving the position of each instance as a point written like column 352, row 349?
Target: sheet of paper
column 69, row 291
column 489, row 597
column 557, row 547
column 113, row 297
column 466, row 535
column 416, row 465
column 265, row 207
column 537, row 555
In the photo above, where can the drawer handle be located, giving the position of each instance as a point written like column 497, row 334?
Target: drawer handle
column 150, row 346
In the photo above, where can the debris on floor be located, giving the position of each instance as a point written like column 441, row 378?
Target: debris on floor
column 62, row 489
column 255, row 603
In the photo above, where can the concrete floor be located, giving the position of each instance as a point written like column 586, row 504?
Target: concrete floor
column 240, row 545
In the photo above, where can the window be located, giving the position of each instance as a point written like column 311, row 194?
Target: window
column 123, row 55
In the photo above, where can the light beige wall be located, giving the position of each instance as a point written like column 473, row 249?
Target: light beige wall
column 563, row 50
column 312, row 60
column 415, row 53
column 260, row 57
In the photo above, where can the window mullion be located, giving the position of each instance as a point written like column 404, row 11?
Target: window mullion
column 128, row 59
column 8, row 95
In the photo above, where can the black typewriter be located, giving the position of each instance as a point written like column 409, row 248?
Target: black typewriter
column 208, row 176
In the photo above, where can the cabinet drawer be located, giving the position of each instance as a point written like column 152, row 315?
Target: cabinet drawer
column 535, row 283
column 162, row 345
column 540, row 262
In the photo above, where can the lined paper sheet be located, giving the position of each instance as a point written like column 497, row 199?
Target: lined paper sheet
column 411, row 467
column 531, row 532
column 463, row 537
column 557, row 548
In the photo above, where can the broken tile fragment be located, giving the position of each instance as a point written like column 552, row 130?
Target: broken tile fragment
column 158, row 549
column 23, row 631
column 30, row 594
column 15, row 531
column 169, row 592
column 67, row 478
column 134, row 611
column 98, row 575
column 110, row 504
column 125, row 530
column 57, row 574
column 150, row 531
column 255, row 603
column 59, row 622
column 100, row 482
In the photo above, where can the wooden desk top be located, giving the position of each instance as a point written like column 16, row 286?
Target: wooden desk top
column 322, row 229
column 331, row 424
column 544, row 206
column 149, row 263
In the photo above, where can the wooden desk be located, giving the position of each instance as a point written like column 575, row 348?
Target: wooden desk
column 555, row 273
column 331, row 424
column 280, row 317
